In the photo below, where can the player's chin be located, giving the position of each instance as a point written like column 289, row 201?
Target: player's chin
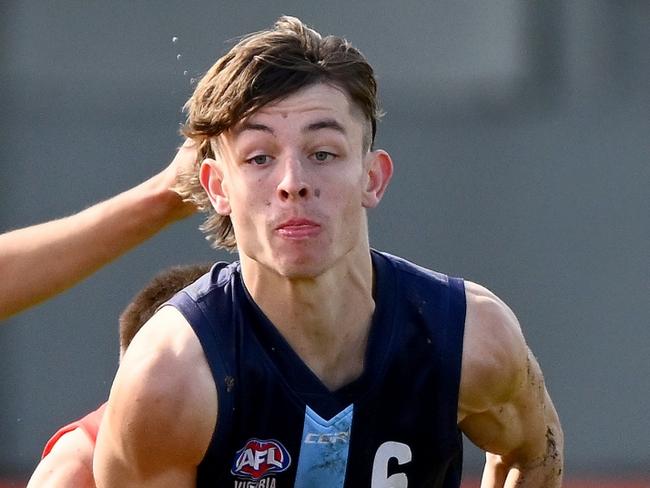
column 300, row 265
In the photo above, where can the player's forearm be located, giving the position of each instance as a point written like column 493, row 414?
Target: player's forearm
column 40, row 261
column 544, row 472
column 547, row 475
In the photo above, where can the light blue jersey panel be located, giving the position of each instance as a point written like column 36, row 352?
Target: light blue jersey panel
column 324, row 451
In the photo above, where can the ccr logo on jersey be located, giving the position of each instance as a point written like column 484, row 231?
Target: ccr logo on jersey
column 259, row 458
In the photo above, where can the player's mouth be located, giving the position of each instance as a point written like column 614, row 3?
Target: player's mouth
column 298, row 229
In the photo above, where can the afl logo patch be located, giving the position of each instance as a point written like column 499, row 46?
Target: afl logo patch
column 259, row 458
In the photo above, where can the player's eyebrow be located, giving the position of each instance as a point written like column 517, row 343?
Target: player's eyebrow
column 324, row 124
column 244, row 126
column 312, row 127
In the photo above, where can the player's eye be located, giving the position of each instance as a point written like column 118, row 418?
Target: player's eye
column 323, row 156
column 259, row 159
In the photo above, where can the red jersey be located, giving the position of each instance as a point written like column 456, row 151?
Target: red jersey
column 89, row 424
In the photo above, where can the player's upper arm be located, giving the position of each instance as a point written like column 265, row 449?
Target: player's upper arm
column 68, row 465
column 504, row 407
column 161, row 412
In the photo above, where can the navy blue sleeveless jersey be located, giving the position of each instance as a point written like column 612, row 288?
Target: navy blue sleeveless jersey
column 279, row 426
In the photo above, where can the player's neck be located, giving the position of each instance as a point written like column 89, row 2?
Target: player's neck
column 325, row 320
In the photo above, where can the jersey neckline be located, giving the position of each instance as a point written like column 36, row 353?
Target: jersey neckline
column 300, row 380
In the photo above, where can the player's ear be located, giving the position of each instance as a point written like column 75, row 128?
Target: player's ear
column 211, row 176
column 379, row 170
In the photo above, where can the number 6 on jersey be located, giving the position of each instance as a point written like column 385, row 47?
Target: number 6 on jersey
column 386, row 452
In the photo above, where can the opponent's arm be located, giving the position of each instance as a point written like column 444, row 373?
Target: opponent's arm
column 161, row 412
column 68, row 465
column 40, row 261
column 504, row 406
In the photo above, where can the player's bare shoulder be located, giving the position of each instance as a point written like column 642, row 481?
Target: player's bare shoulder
column 169, row 378
column 494, row 351
column 163, row 405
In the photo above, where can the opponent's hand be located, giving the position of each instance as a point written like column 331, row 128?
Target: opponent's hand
column 184, row 165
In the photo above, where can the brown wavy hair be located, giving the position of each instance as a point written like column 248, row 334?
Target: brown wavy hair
column 263, row 67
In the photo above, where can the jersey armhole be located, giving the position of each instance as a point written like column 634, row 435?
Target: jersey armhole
column 210, row 336
column 453, row 341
